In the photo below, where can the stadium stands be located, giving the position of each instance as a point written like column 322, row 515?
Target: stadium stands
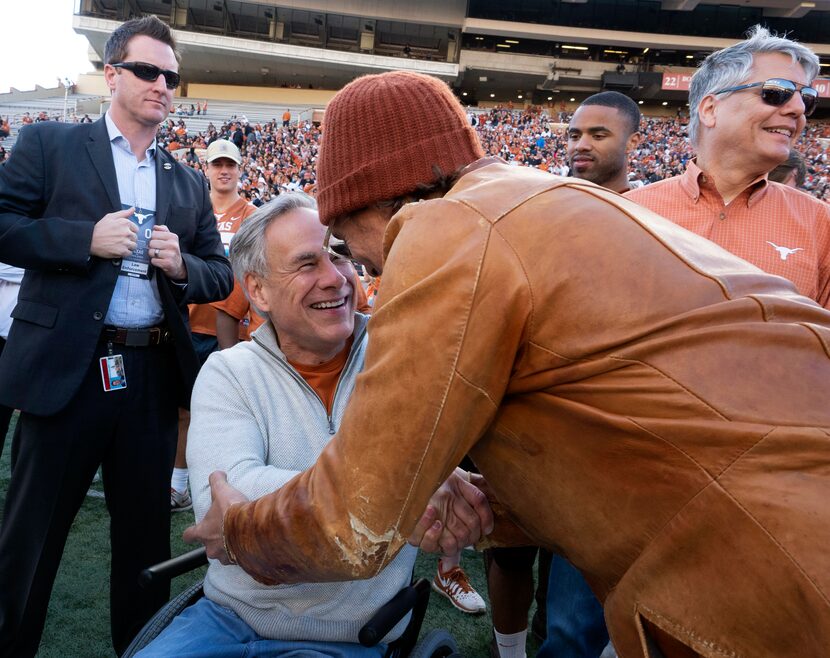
column 278, row 159
column 546, row 57
column 491, row 52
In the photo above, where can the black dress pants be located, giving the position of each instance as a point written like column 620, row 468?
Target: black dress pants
column 132, row 434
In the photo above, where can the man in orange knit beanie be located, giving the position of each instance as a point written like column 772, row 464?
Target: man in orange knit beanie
column 638, row 399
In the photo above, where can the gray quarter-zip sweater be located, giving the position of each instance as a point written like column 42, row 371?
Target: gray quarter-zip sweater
column 256, row 418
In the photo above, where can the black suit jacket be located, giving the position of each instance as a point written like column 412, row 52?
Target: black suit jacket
column 59, row 181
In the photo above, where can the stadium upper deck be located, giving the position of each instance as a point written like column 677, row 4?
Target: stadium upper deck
column 489, row 51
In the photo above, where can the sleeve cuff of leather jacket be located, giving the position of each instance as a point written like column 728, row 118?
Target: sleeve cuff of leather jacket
column 228, row 549
column 235, row 517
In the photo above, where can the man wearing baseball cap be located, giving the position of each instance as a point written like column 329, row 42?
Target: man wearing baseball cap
column 214, row 325
column 639, row 400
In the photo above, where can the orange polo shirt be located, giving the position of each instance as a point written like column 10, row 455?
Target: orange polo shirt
column 777, row 228
column 203, row 316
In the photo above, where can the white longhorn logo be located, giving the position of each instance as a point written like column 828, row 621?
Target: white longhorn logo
column 142, row 216
column 783, row 251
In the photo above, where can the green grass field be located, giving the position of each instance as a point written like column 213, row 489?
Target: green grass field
column 78, row 621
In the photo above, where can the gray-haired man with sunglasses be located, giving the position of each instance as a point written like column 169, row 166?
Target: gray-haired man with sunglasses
column 748, row 105
column 116, row 238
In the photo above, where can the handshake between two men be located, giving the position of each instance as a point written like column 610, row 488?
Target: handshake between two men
column 458, row 515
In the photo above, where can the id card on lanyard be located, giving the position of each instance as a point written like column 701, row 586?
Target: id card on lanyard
column 112, row 371
column 137, row 264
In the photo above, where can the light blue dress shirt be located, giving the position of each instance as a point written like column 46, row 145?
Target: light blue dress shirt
column 135, row 301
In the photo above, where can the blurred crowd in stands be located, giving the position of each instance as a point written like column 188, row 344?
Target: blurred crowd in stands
column 279, row 157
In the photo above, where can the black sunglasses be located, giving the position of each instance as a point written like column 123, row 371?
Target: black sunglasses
column 150, row 72
column 778, row 91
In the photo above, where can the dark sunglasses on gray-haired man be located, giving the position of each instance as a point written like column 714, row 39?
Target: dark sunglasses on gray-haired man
column 777, row 91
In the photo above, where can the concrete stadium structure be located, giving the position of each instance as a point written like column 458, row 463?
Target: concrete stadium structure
column 554, row 52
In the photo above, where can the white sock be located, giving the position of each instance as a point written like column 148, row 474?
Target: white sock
column 179, row 480
column 512, row 645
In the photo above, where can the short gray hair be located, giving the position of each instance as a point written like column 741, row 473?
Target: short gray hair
column 730, row 67
column 248, row 248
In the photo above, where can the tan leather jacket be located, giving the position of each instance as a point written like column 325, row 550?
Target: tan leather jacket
column 643, row 402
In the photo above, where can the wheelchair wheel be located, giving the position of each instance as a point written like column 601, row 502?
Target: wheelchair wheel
column 162, row 619
column 436, row 644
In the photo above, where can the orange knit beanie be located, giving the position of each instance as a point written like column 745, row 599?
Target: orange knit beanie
column 382, row 136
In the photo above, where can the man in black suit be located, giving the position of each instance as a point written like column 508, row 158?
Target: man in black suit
column 117, row 238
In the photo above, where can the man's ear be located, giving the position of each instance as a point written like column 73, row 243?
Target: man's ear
column 632, row 141
column 109, row 75
column 253, row 287
column 707, row 111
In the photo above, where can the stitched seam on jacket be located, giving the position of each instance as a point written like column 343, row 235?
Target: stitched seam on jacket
column 599, row 193
column 556, row 354
column 767, row 314
column 478, row 211
column 690, row 635
column 669, row 377
column 477, row 388
column 775, row 541
column 668, row 522
column 532, row 313
column 677, row 448
column 492, row 228
column 771, row 537
column 730, row 464
column 810, row 327
column 716, row 481
column 440, row 413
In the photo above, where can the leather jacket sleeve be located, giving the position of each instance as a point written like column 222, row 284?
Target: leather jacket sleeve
column 444, row 338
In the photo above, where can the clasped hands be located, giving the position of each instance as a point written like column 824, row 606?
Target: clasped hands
column 457, row 515
column 115, row 236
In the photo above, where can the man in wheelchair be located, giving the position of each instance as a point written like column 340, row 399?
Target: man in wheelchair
column 263, row 411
